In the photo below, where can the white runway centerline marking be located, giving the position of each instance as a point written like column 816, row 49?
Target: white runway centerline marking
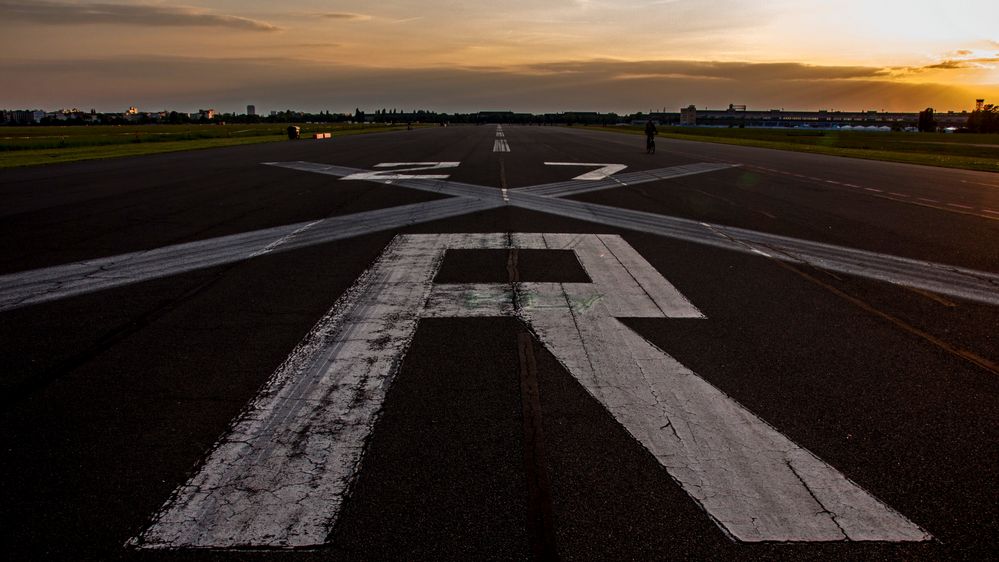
column 279, row 477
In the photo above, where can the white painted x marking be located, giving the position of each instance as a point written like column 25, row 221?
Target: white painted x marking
column 52, row 283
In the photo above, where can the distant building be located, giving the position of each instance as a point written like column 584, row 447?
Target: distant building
column 688, row 115
column 206, row 114
column 73, row 114
column 251, row 110
column 952, row 119
column 736, row 116
column 24, row 116
column 501, row 117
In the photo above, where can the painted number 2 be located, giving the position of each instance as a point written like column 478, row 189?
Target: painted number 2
column 400, row 173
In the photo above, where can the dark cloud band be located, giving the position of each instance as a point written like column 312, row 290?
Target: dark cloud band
column 165, row 82
column 344, row 16
column 70, row 13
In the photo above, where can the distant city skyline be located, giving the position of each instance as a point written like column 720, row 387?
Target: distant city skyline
column 210, row 111
column 446, row 56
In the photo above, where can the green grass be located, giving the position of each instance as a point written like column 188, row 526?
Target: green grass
column 965, row 151
column 32, row 146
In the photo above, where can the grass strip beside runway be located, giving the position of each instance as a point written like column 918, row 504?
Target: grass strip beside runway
column 964, row 151
column 33, row 146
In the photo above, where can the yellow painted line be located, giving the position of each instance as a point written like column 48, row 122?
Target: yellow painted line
column 963, row 354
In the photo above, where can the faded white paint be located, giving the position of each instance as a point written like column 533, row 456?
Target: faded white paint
column 573, row 187
column 500, row 145
column 397, row 173
column 279, row 478
column 63, row 281
column 604, row 171
column 57, row 282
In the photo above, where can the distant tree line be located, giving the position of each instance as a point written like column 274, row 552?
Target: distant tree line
column 985, row 120
column 385, row 116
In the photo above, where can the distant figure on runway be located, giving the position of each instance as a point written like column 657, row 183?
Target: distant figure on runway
column 650, row 137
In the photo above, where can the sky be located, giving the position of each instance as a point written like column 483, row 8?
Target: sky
column 521, row 55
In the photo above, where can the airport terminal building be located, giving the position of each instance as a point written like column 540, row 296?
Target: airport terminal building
column 739, row 116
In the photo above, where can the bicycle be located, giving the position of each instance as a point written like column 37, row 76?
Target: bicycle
column 650, row 145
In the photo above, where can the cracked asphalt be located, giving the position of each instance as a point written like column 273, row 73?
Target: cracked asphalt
column 111, row 399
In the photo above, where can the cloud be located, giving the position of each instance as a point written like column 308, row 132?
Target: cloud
column 345, row 16
column 72, row 13
column 707, row 70
column 948, row 64
column 945, row 65
column 112, row 84
column 983, row 61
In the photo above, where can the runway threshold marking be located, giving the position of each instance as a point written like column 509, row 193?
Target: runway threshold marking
column 280, row 476
column 500, row 144
column 57, row 282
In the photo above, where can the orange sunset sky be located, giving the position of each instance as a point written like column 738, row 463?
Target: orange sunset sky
column 554, row 55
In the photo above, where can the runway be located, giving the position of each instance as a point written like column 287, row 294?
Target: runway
column 497, row 342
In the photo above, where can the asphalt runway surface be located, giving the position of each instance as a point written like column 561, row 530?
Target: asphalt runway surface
column 181, row 330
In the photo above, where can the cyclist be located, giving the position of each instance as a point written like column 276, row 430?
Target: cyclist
column 650, row 137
